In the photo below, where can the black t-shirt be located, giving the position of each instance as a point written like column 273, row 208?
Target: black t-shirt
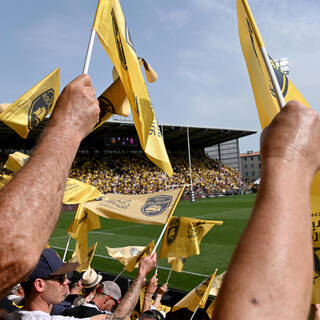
column 82, row 312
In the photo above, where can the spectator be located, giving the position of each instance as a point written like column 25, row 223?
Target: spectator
column 44, row 287
column 75, row 286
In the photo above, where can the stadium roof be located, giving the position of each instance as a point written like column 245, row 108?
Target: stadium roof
column 122, row 131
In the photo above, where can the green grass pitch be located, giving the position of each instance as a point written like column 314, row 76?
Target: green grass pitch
column 216, row 248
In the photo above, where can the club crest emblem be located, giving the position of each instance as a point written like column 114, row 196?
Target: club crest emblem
column 40, row 107
column 202, row 288
column 105, row 107
column 281, row 78
column 156, row 205
column 134, row 252
column 173, row 229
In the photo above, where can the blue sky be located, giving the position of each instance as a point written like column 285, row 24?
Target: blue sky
column 192, row 44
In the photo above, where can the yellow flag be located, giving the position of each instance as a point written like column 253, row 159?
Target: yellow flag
column 177, row 263
column 183, row 236
column 113, row 101
column 133, row 261
column 16, row 161
column 31, row 108
column 153, row 208
column 197, row 297
column 209, row 310
column 113, row 33
column 216, row 284
column 75, row 191
column 125, row 253
column 4, row 179
column 84, row 221
column 267, row 107
column 83, row 256
column 251, row 43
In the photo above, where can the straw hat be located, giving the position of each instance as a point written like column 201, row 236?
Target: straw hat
column 90, row 278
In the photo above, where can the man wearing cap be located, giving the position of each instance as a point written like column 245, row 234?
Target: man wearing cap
column 45, row 287
column 107, row 297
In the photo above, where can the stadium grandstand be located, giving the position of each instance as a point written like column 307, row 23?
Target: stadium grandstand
column 112, row 159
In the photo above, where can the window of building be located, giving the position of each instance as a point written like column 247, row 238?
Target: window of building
column 251, row 165
column 253, row 174
column 247, row 174
column 259, row 165
column 245, row 166
column 252, row 158
column 245, row 158
column 259, row 158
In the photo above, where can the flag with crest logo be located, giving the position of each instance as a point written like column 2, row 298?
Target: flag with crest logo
column 197, row 297
column 184, row 235
column 31, row 108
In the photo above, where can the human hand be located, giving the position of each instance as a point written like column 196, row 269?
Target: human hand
column 147, row 263
column 77, row 110
column 163, row 289
column 293, row 137
column 153, row 284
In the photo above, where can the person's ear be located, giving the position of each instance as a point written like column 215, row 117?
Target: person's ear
column 39, row 285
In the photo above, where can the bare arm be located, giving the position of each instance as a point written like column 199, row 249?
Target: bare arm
column 150, row 290
column 130, row 299
column 30, row 204
column 270, row 274
column 161, row 291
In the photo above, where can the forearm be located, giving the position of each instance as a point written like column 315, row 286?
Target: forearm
column 157, row 301
column 147, row 301
column 30, row 204
column 130, row 299
column 271, row 269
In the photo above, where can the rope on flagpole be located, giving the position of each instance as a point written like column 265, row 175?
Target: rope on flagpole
column 89, row 52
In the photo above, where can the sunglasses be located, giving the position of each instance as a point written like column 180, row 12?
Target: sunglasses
column 59, row 277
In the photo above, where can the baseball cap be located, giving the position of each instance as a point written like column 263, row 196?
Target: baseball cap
column 50, row 265
column 111, row 289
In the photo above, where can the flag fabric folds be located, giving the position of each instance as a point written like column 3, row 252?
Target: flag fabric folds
column 75, row 191
column 84, row 222
column 114, row 35
column 134, row 261
column 4, row 179
column 113, row 101
column 210, row 309
column 153, row 208
column 197, row 297
column 267, row 107
column 216, row 284
column 125, row 253
column 177, row 263
column 31, row 108
column 83, row 256
column 184, row 235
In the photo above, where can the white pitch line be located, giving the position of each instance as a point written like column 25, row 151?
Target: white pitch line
column 159, row 267
column 221, row 212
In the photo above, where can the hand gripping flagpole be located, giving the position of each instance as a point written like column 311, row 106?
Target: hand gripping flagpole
column 89, row 52
column 265, row 56
column 168, row 219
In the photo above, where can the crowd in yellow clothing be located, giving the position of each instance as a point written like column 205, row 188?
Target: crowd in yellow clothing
column 132, row 173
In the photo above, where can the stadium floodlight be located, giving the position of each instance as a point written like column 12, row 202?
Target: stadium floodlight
column 283, row 65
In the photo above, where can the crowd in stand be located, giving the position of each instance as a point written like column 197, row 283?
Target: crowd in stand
column 132, row 173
